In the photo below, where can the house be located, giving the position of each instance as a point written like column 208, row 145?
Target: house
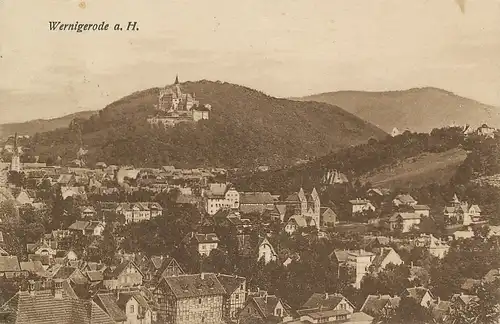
column 170, row 267
column 328, row 218
column 308, row 206
column 255, row 202
column 486, row 131
column 383, row 257
column 139, row 211
column 73, row 192
column 94, row 228
column 204, row 243
column 329, row 308
column 459, row 212
column 326, row 302
column 361, row 205
column 190, row 299
column 9, row 267
column 423, row 210
column 87, row 212
column 421, row 295
column 135, row 307
column 25, row 198
column 34, row 267
column 221, row 195
column 126, row 274
column 296, row 222
column 460, row 301
column 380, row 306
column 266, row 251
column 377, row 194
column 261, row 306
column 404, row 221
column 404, row 200
column 437, row 247
column 358, row 260
column 51, row 305
column 72, row 274
column 235, row 296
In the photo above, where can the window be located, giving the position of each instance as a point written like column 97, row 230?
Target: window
column 237, row 297
column 131, row 309
column 199, row 300
column 278, row 312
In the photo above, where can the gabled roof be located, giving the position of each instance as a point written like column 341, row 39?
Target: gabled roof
column 256, row 198
column 193, row 285
column 120, row 268
column 9, row 263
column 322, row 301
column 420, row 207
column 381, row 255
column 43, row 308
column 95, row 275
column 124, row 297
column 266, row 304
column 374, row 304
column 404, row 216
column 35, row 267
column 417, row 293
column 406, row 199
column 230, row 282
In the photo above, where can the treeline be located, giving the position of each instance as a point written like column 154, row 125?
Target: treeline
column 355, row 160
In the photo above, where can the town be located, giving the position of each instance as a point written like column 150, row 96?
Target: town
column 124, row 244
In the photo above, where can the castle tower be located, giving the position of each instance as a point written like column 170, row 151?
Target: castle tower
column 176, row 79
column 15, row 163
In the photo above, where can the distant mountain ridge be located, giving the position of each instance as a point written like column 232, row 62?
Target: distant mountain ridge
column 416, row 109
column 246, row 128
column 41, row 125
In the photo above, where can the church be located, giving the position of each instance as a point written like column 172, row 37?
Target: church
column 305, row 206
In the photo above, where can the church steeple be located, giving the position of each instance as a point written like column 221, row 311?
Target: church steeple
column 16, row 149
column 176, row 79
column 15, row 163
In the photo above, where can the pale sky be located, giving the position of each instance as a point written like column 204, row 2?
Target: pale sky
column 284, row 48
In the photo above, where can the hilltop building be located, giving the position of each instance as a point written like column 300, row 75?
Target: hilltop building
column 175, row 107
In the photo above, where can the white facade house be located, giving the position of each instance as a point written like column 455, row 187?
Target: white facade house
column 266, row 251
column 220, row 196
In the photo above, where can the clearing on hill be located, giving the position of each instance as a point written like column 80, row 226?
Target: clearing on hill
column 419, row 170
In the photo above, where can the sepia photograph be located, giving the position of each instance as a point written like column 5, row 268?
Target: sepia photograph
column 250, row 162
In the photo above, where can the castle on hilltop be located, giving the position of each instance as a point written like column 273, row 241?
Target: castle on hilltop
column 175, row 107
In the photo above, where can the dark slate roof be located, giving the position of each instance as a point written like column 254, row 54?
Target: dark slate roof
column 417, row 293
column 95, row 275
column 261, row 198
column 122, row 266
column 34, row 267
column 64, row 272
column 43, row 308
column 266, row 304
column 380, row 256
column 324, row 301
column 187, row 286
column 124, row 297
column 9, row 264
column 230, row 282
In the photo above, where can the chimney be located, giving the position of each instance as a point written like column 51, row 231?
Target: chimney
column 31, row 287
column 202, row 275
column 57, row 289
column 326, row 295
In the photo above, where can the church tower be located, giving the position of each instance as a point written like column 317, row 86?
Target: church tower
column 15, row 163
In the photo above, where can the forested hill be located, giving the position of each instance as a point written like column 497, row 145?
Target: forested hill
column 418, row 109
column 246, row 128
column 41, row 125
column 377, row 156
